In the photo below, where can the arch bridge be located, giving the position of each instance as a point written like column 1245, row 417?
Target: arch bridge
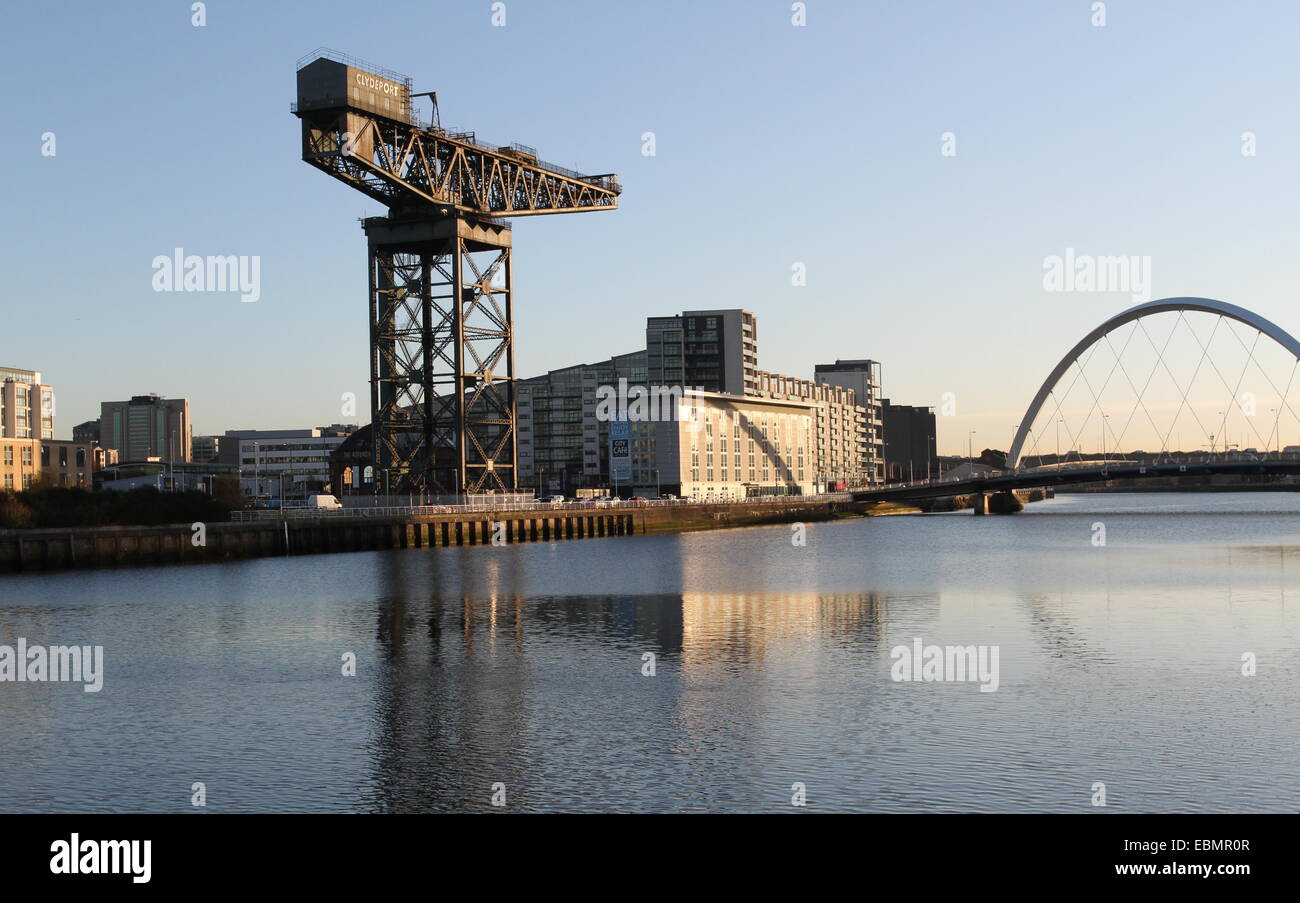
column 1028, row 467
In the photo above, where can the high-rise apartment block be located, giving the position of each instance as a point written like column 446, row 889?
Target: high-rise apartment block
column 26, row 405
column 863, row 377
column 709, row 350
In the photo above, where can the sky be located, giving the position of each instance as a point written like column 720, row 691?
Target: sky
column 829, row 145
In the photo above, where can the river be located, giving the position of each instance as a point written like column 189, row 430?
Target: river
column 729, row 670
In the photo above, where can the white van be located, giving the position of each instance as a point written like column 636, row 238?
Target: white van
column 317, row 500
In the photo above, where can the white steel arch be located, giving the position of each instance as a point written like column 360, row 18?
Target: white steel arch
column 1201, row 305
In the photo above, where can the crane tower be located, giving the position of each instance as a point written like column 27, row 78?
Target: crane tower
column 442, row 379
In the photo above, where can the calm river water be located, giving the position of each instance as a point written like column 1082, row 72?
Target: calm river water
column 522, row 666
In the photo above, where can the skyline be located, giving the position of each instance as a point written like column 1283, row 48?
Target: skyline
column 906, row 284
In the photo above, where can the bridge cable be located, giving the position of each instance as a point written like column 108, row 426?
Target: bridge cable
column 1139, row 394
column 1282, row 395
column 1233, row 392
column 1096, row 398
column 1184, row 403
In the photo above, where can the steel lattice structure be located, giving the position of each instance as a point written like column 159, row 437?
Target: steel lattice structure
column 441, row 292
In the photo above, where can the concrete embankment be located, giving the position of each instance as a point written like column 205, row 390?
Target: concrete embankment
column 86, row 547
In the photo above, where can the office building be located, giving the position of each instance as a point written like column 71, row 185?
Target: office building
column 280, row 465
column 910, row 442
column 147, row 426
column 206, row 449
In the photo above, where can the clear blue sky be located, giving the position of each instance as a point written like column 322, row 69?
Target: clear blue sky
column 775, row 144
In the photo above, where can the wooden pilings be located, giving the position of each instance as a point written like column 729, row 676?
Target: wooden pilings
column 61, row 549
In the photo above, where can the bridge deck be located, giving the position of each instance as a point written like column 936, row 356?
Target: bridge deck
column 1074, row 476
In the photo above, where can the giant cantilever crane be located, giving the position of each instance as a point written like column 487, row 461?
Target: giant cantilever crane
column 442, row 392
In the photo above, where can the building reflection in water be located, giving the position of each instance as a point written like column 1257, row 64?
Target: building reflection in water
column 486, row 684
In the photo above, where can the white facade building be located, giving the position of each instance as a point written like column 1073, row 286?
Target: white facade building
column 728, row 447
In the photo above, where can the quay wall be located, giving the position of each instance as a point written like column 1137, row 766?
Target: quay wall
column 89, row 547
